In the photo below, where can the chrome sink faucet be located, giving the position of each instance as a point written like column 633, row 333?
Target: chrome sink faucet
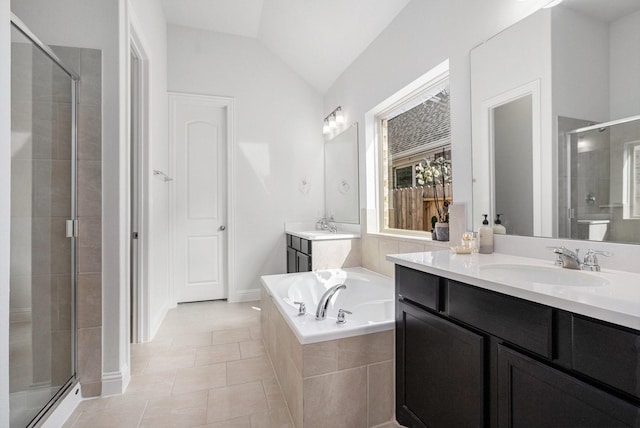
column 321, row 311
column 324, row 224
column 571, row 260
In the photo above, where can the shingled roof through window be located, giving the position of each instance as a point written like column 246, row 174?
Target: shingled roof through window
column 426, row 123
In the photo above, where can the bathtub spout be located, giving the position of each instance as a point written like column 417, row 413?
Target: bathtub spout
column 321, row 312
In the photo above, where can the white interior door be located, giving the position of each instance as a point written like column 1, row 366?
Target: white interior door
column 199, row 141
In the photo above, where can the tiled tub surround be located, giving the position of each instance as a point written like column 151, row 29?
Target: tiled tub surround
column 342, row 382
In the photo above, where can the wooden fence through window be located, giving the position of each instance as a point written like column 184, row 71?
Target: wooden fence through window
column 413, row 208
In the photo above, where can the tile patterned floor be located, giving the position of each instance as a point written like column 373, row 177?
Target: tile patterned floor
column 207, row 367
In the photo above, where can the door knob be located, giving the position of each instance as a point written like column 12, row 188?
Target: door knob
column 222, row 228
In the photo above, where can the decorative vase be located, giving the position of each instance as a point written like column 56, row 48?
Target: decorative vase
column 442, row 231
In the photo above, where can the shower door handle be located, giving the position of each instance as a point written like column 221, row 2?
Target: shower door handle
column 71, row 228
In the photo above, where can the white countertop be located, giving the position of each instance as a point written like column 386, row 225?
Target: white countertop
column 323, row 235
column 616, row 299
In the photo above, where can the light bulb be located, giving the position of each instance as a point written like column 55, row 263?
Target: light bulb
column 332, row 121
column 325, row 127
column 339, row 116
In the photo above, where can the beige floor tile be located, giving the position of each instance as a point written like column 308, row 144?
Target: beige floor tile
column 230, row 336
column 237, row 400
column 151, row 385
column 152, row 348
column 195, row 340
column 278, row 418
column 125, row 416
column 252, row 349
column 242, row 422
column 200, row 378
column 253, row 369
column 171, row 360
column 183, row 410
column 217, row 354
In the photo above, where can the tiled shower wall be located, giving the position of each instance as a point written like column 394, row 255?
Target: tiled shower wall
column 88, row 64
column 41, row 295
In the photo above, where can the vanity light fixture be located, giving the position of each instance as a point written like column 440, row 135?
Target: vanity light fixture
column 332, row 120
column 325, row 127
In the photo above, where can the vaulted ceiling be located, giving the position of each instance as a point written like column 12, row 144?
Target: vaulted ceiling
column 318, row 39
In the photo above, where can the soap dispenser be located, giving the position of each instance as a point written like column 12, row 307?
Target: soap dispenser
column 485, row 237
column 498, row 227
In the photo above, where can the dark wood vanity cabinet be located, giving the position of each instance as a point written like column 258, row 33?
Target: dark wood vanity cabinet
column 440, row 379
column 470, row 357
column 298, row 254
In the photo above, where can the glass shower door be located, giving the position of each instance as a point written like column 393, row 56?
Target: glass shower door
column 42, row 280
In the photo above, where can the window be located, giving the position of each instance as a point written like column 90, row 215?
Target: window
column 412, row 134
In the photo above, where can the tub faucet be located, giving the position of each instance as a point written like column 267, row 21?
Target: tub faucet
column 321, row 312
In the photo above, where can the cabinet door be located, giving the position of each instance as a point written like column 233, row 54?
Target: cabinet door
column 304, row 262
column 440, row 372
column 532, row 394
column 291, row 260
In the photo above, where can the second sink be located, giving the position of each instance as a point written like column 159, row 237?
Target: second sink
column 540, row 275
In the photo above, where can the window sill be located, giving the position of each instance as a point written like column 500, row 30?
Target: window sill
column 410, row 238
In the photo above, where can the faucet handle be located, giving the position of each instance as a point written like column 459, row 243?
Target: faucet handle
column 591, row 259
column 341, row 318
column 302, row 308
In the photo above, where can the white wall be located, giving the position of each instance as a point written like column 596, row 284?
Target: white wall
column 149, row 23
column 278, row 142
column 580, row 61
column 97, row 25
column 625, row 66
column 5, row 204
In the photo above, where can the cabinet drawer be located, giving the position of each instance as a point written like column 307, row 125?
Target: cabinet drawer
column 419, row 287
column 295, row 242
column 288, row 240
column 525, row 324
column 305, row 246
column 607, row 353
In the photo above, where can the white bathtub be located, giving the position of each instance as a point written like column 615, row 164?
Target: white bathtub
column 368, row 295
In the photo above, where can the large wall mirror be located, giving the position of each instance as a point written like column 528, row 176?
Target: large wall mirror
column 341, row 176
column 556, row 123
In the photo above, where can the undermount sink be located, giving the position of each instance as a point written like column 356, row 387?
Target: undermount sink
column 531, row 274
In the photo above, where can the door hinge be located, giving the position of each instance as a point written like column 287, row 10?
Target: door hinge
column 72, row 228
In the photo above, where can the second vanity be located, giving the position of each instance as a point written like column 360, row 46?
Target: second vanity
column 310, row 250
column 503, row 341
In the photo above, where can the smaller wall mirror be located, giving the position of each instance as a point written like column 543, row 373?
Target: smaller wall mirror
column 341, row 177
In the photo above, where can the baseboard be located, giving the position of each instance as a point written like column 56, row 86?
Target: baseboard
column 115, row 383
column 245, row 295
column 65, row 408
column 155, row 326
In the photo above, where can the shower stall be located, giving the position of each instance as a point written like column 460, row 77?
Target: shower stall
column 599, row 180
column 42, row 361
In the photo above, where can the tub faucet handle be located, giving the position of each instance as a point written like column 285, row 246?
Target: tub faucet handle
column 341, row 318
column 302, row 308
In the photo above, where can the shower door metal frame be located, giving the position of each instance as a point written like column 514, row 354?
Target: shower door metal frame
column 72, row 233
